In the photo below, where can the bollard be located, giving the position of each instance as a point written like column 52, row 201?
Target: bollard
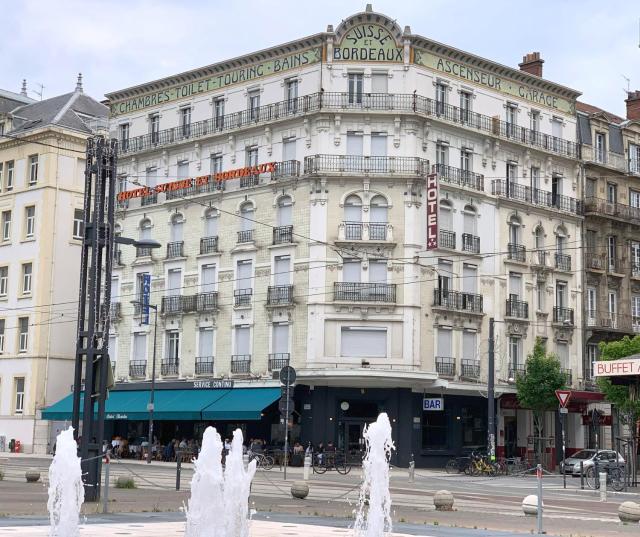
column 412, row 471
column 178, row 468
column 307, row 467
column 603, row 486
column 540, row 507
column 581, row 475
column 105, row 497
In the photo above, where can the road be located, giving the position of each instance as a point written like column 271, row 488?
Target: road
column 481, row 502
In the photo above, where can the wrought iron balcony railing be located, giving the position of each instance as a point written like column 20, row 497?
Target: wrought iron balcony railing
column 283, row 235
column 115, row 311
column 364, row 292
column 378, row 231
column 204, row 365
column 361, row 165
column 207, row 301
column 593, row 261
column 249, row 181
column 608, row 209
column 174, row 304
column 447, row 239
column 143, row 251
column 175, row 249
column 470, row 243
column 539, row 258
column 208, row 245
column 569, row 376
column 169, row 367
column 241, row 363
column 515, row 370
column 353, row 231
column 470, row 368
column 604, row 320
column 563, row 316
column 456, row 300
column 242, row 297
column 563, row 262
column 138, row 368
column 457, row 176
column 280, row 295
column 517, row 308
column 516, row 252
column 286, row 169
column 245, row 235
column 278, row 360
column 409, row 103
column 535, row 196
column 446, row 366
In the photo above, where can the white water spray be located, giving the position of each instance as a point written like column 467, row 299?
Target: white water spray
column 374, row 520
column 66, row 492
column 219, row 504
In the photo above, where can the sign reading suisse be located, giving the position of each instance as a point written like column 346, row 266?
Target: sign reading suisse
column 432, row 211
column 617, row 368
column 368, row 42
column 202, row 180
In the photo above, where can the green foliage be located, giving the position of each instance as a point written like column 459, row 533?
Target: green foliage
column 628, row 407
column 125, row 483
column 543, row 376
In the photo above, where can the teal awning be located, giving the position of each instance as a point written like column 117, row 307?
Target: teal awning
column 176, row 405
column 241, row 404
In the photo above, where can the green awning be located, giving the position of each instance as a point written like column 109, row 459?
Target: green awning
column 132, row 405
column 241, row 404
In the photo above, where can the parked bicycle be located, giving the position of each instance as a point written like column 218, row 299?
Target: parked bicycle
column 457, row 465
column 264, row 462
column 482, row 465
column 615, row 478
column 330, row 460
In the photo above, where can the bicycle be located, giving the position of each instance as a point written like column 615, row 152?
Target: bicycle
column 264, row 462
column 480, row 465
column 327, row 461
column 614, row 478
column 457, row 465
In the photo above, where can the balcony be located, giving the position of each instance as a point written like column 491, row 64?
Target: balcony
column 138, row 368
column 206, row 301
column 459, row 177
column 240, row 363
column 446, row 366
column 609, row 159
column 535, row 196
column 204, row 365
column 563, row 262
column 563, row 316
column 280, row 295
column 115, row 311
column 175, row 249
column 283, row 235
column 364, row 292
column 516, row 252
column 447, row 239
column 169, row 367
column 618, row 322
column 245, row 236
column 470, row 243
column 175, row 304
column 209, row 245
column 410, row 103
column 143, row 251
column 151, row 199
column 470, row 368
column 616, row 211
column 455, row 300
column 568, row 374
column 278, row 360
column 242, row 297
column 516, row 308
column 365, row 231
column 515, row 370
column 594, row 261
column 539, row 258
column 349, row 165
column 286, row 170
column 249, row 181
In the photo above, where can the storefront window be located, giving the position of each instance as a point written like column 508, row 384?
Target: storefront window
column 474, row 427
column 434, row 430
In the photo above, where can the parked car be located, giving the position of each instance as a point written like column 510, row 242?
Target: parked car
column 587, row 457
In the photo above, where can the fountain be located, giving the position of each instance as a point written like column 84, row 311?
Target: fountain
column 373, row 517
column 219, row 504
column 66, row 492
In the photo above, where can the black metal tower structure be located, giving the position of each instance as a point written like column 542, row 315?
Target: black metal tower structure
column 92, row 366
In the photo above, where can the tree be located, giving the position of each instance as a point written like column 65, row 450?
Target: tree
column 537, row 387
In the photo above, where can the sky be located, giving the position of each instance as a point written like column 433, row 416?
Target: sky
column 588, row 45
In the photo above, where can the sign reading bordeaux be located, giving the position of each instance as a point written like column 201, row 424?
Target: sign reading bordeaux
column 368, row 42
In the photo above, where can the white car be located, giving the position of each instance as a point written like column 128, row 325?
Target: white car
column 588, row 457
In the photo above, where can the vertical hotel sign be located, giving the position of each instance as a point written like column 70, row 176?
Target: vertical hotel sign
column 432, row 211
column 146, row 292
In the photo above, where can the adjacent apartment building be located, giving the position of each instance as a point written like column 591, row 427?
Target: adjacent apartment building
column 42, row 146
column 287, row 188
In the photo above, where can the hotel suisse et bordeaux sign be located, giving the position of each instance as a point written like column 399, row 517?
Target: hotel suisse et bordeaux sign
column 368, row 43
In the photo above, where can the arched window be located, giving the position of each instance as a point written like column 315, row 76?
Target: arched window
column 515, row 227
column 247, row 216
column 211, row 223
column 353, row 209
column 285, row 209
column 177, row 225
column 379, row 210
column 145, row 229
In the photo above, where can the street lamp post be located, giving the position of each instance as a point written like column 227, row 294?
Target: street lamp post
column 491, row 416
column 150, row 406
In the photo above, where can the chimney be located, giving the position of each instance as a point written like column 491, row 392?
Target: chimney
column 23, row 91
column 532, row 64
column 633, row 104
column 79, row 83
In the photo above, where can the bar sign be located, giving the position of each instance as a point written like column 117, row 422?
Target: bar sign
column 432, row 211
